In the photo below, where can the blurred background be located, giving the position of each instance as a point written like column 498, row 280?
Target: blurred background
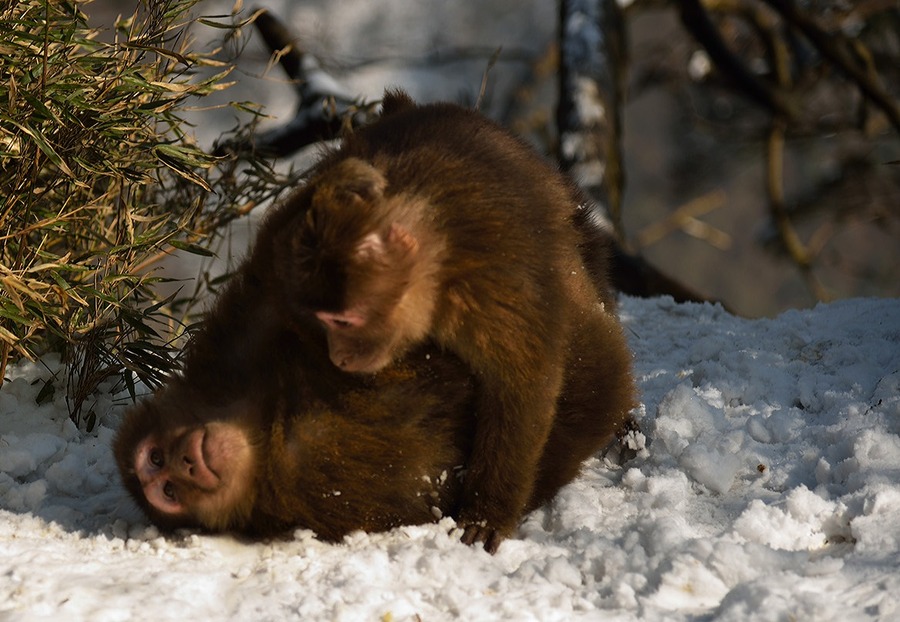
column 694, row 146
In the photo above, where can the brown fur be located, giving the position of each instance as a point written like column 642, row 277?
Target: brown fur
column 527, row 312
column 392, row 445
column 332, row 452
column 485, row 250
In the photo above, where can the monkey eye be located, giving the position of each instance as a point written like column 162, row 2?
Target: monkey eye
column 341, row 323
column 169, row 491
column 156, row 458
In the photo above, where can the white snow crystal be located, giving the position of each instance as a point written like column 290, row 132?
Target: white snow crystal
column 767, row 488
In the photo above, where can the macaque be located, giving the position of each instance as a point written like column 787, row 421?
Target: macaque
column 262, row 435
column 435, row 224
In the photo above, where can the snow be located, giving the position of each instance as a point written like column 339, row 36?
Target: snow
column 769, row 490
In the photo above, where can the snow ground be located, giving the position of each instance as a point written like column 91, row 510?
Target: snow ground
column 770, row 490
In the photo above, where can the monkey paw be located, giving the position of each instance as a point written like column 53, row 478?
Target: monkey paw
column 481, row 532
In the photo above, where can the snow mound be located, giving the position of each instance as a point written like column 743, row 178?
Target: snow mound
column 769, row 489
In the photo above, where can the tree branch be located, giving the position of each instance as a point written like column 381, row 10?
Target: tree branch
column 696, row 20
column 777, row 209
column 775, row 182
column 325, row 108
column 834, row 46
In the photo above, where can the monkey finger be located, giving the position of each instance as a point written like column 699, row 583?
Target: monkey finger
column 491, row 538
column 492, row 542
column 472, row 534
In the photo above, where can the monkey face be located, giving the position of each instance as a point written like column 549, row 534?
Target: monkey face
column 375, row 327
column 193, row 472
column 185, row 473
column 357, row 344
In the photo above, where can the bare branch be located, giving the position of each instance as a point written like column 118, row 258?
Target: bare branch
column 280, row 42
column 325, row 107
column 633, row 275
column 592, row 67
column 484, row 77
column 777, row 209
column 775, row 184
column 685, row 218
column 696, row 20
column 835, row 47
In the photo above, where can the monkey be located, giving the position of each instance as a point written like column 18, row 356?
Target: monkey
column 434, row 223
column 261, row 435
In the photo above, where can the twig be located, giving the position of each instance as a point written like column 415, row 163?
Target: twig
column 777, row 209
column 795, row 248
column 519, row 111
column 484, row 77
column 635, row 276
column 325, row 108
column 697, row 21
column 685, row 219
column 280, row 42
column 592, row 63
column 775, row 180
column 195, row 236
column 4, row 360
column 834, row 46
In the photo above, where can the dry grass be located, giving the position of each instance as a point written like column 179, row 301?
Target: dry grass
column 98, row 177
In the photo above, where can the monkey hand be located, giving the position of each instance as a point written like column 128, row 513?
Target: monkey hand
column 481, row 532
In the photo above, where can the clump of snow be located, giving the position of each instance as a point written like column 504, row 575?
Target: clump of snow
column 769, row 489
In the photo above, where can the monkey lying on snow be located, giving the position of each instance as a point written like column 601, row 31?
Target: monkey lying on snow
column 429, row 238
column 263, row 435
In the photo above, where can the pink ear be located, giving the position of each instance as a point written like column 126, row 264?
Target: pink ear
column 401, row 239
column 338, row 321
column 371, row 247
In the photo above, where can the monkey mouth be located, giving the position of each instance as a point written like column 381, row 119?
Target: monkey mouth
column 364, row 363
column 360, row 366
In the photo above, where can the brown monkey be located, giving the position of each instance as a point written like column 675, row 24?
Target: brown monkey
column 436, row 223
column 262, row 435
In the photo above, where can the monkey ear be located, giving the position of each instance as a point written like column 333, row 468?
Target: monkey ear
column 354, row 180
column 371, row 247
column 347, row 190
column 399, row 242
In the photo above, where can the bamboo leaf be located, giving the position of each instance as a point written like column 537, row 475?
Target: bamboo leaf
column 194, row 249
column 42, row 143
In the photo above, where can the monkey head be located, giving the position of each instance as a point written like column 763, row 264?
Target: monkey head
column 186, row 462
column 350, row 259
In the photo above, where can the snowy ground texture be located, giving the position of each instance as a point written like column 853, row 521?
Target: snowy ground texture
column 770, row 490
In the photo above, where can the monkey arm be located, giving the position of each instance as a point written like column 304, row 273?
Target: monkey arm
column 519, row 363
column 511, row 432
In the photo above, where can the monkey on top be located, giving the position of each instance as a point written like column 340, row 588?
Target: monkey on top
column 424, row 329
